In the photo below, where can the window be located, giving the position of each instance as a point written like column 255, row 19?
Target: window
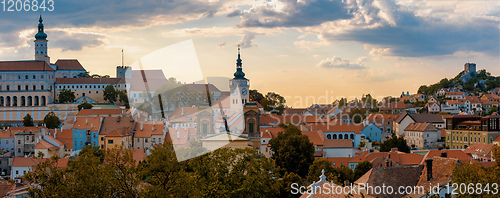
column 18, row 141
column 137, row 139
column 154, row 139
column 19, row 150
column 102, row 138
column 41, row 76
column 26, row 77
column 159, row 139
column 146, row 140
column 19, row 77
column 110, row 141
column 18, row 87
column 41, row 87
column 34, row 76
column 8, row 88
column 26, row 87
column 34, row 87
column 17, row 172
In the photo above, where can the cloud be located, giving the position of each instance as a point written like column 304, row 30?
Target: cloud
column 341, row 63
column 221, row 44
column 219, row 32
column 247, row 40
column 309, row 45
column 293, row 13
column 75, row 41
column 234, row 13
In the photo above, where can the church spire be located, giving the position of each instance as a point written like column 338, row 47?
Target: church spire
column 239, row 69
column 40, row 35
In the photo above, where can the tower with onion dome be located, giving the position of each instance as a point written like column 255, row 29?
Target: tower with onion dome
column 41, row 48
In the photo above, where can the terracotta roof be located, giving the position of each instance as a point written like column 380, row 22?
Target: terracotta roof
column 148, row 129
column 69, row 64
column 421, row 127
column 66, row 137
column 377, row 117
column 337, row 143
column 25, row 66
column 453, row 154
column 289, row 111
column 30, row 162
column 410, row 159
column 92, row 123
column 42, row 144
column 90, row 81
column 114, row 133
column 184, row 134
column 399, row 176
column 25, row 129
column 455, row 93
column 271, row 131
column 441, row 174
column 222, row 103
column 497, row 139
column 6, row 133
column 314, row 137
column 479, row 149
column 123, row 125
column 422, row 118
column 138, row 155
column 6, row 187
column 87, row 112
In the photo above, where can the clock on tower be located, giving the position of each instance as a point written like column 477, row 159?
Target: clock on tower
column 239, row 86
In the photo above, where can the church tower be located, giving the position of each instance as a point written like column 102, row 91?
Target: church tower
column 239, row 87
column 41, row 49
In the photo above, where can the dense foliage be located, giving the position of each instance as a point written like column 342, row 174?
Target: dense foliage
column 28, row 121
column 66, row 96
column 115, row 173
column 395, row 142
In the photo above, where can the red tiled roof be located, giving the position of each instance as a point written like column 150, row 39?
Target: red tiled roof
column 66, row 137
column 497, row 139
column 148, row 129
column 337, row 143
column 25, row 66
column 42, row 144
column 92, row 123
column 421, row 127
column 123, row 125
column 30, row 162
column 69, row 64
column 377, row 117
column 454, row 154
column 314, row 137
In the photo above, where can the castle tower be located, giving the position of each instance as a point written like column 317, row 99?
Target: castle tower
column 41, row 48
column 239, row 87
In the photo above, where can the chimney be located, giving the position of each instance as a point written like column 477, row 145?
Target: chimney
column 178, row 135
column 444, row 154
column 141, row 126
column 100, row 119
column 152, row 128
column 428, row 162
column 91, row 125
column 86, row 121
column 182, row 110
column 124, row 111
column 75, row 119
column 387, row 163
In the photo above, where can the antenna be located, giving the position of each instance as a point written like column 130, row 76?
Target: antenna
column 122, row 57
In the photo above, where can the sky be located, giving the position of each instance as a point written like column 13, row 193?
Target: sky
column 310, row 51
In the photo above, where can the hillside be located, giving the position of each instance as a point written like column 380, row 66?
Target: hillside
column 483, row 81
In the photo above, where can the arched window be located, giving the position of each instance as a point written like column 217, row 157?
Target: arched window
column 352, row 136
column 7, row 101
column 329, row 136
column 23, row 101
column 334, row 136
column 42, row 103
column 37, row 101
column 30, row 101
column 346, row 136
column 340, row 136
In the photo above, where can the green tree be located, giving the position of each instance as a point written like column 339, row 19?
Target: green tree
column 361, row 169
column 316, row 168
column 286, row 187
column 28, row 121
column 343, row 174
column 255, row 95
column 395, row 142
column 274, row 103
column 292, row 151
column 85, row 106
column 84, row 75
column 51, row 121
column 110, row 94
column 66, row 96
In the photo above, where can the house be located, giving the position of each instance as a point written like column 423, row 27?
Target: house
column 115, row 132
column 459, row 155
column 148, row 134
column 86, row 131
column 422, row 135
column 491, row 98
column 442, row 91
column 49, row 146
column 464, row 130
column 456, row 95
column 6, row 141
column 437, row 172
column 400, row 177
column 496, row 141
column 21, row 165
column 384, row 122
column 450, row 109
column 338, row 130
column 180, row 136
column 480, row 151
column 324, row 188
column 405, row 119
column 338, row 148
column 25, row 139
column 66, row 137
column 395, row 107
column 315, row 137
column 372, row 132
column 386, row 159
column 433, row 107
